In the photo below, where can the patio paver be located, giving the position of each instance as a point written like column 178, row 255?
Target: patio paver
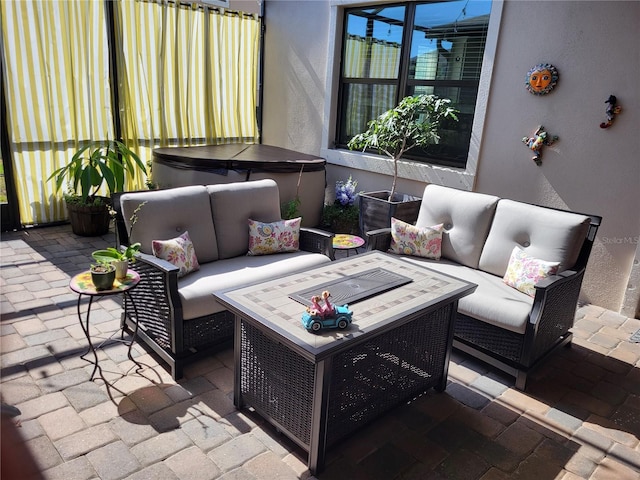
column 579, row 418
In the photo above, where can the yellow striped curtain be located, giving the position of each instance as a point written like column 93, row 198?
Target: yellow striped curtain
column 369, row 58
column 187, row 75
column 190, row 76
column 57, row 89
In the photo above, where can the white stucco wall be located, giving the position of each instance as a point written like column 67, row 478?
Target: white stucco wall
column 593, row 44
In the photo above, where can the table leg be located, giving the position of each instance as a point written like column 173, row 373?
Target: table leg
column 85, row 329
column 237, row 362
column 135, row 329
column 318, row 442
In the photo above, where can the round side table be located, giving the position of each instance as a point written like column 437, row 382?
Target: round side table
column 345, row 241
column 83, row 286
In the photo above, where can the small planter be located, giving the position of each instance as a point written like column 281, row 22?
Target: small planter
column 103, row 277
column 121, row 268
column 376, row 210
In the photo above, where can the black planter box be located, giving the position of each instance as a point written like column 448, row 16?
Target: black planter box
column 376, row 210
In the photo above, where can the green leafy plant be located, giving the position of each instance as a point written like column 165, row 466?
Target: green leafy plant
column 102, row 267
column 100, row 162
column 413, row 123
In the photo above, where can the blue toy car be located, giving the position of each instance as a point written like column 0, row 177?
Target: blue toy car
column 341, row 319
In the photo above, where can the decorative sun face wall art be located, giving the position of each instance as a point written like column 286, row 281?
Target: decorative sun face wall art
column 542, row 78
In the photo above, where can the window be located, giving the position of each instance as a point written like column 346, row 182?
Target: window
column 391, row 51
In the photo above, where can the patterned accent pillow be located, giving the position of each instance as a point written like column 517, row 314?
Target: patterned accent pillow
column 276, row 237
column 179, row 251
column 407, row 239
column 524, row 271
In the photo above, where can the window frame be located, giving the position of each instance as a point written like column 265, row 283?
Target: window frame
column 420, row 172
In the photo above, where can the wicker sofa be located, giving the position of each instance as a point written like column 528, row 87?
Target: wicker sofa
column 499, row 324
column 178, row 318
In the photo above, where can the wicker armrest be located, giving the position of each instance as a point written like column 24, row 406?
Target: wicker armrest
column 379, row 239
column 553, row 312
column 157, row 262
column 317, row 241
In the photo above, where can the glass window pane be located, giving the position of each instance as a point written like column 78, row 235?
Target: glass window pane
column 373, row 42
column 454, row 136
column 362, row 103
column 448, row 40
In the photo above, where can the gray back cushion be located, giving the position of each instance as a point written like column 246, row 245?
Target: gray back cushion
column 233, row 204
column 546, row 234
column 466, row 217
column 168, row 214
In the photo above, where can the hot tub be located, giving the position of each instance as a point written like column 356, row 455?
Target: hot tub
column 213, row 164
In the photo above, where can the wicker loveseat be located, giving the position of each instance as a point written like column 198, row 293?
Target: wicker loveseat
column 497, row 323
column 178, row 318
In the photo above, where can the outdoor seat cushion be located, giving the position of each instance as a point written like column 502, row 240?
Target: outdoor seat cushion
column 543, row 233
column 466, row 217
column 196, row 289
column 170, row 213
column 233, row 204
column 493, row 302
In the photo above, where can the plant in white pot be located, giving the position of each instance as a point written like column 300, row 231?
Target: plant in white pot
column 413, row 123
column 100, row 162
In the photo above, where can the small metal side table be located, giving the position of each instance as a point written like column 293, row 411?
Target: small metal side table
column 345, row 241
column 83, row 286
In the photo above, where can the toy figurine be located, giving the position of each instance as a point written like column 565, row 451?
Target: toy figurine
column 540, row 138
column 319, row 316
column 612, row 111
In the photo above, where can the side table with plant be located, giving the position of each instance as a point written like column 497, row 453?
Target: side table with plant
column 342, row 215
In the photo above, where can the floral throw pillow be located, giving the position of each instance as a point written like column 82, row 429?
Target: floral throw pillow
column 179, row 251
column 276, row 237
column 407, row 239
column 524, row 271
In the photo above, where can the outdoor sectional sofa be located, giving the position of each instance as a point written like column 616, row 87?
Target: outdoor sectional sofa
column 178, row 317
column 499, row 324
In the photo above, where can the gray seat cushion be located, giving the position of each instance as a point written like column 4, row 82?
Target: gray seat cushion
column 196, row 289
column 466, row 217
column 544, row 233
column 168, row 214
column 493, row 302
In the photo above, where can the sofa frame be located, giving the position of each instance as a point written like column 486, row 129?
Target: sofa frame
column 550, row 320
column 160, row 321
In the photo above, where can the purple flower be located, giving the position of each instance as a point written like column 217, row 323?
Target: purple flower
column 346, row 192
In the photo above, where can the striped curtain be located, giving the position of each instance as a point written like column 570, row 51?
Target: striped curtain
column 369, row 58
column 190, row 78
column 57, row 92
column 187, row 76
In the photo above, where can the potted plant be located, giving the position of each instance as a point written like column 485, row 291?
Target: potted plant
column 341, row 216
column 100, row 162
column 413, row 123
column 103, row 274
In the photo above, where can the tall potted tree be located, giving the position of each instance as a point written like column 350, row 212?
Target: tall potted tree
column 413, row 123
column 100, row 162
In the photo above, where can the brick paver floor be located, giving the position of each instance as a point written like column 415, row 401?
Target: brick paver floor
column 579, row 417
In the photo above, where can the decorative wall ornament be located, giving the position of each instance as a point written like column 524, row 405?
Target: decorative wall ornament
column 539, row 139
column 612, row 110
column 542, row 78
